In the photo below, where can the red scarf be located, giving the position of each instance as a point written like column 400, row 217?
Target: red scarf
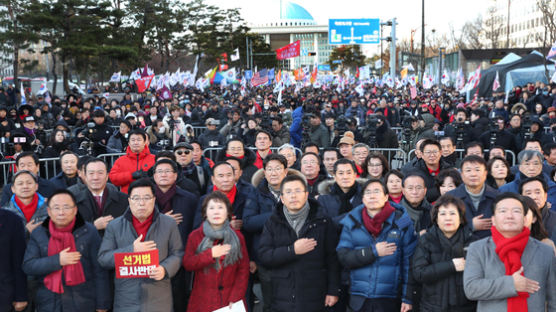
column 231, row 194
column 142, row 227
column 374, row 225
column 359, row 170
column 434, row 173
column 61, row 239
column 28, row 210
column 240, row 157
column 510, row 250
column 396, row 199
column 259, row 161
column 311, row 182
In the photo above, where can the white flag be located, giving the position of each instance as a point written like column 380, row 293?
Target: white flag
column 496, row 83
column 116, row 77
column 235, row 57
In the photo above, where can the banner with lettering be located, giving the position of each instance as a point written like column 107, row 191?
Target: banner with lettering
column 291, row 50
column 135, row 264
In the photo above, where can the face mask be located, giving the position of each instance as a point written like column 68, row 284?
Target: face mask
column 161, row 130
column 545, row 92
column 119, row 113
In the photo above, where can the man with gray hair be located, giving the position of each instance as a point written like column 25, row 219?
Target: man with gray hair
column 287, row 150
column 530, row 165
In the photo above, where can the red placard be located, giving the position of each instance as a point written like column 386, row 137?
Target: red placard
column 291, row 50
column 135, row 264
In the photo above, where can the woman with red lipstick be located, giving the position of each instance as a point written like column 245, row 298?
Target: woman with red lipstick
column 218, row 256
column 439, row 258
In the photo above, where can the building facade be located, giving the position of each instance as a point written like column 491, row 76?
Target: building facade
column 290, row 22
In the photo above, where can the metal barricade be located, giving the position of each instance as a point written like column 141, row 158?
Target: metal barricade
column 212, row 152
column 198, row 130
column 396, row 156
column 49, row 167
column 109, row 159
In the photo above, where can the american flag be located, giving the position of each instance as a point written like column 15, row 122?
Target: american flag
column 259, row 78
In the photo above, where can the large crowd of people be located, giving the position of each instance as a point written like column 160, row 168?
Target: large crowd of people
column 301, row 197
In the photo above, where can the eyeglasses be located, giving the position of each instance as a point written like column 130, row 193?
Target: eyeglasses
column 429, row 153
column 164, row 171
column 277, row 169
column 62, row 208
column 293, row 192
column 371, row 192
column 181, row 152
column 137, row 199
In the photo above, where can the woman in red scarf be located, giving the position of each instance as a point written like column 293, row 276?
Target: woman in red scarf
column 70, row 276
column 218, row 255
column 393, row 181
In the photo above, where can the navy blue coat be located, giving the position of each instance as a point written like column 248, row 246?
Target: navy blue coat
column 46, row 189
column 12, row 241
column 485, row 206
column 186, row 203
column 59, row 183
column 94, row 293
column 514, row 187
column 237, row 208
column 258, row 209
column 331, row 202
column 300, row 282
column 372, row 276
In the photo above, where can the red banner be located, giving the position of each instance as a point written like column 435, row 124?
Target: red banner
column 135, row 264
column 291, row 50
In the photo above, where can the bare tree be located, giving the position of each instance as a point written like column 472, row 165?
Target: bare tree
column 470, row 36
column 548, row 10
column 493, row 27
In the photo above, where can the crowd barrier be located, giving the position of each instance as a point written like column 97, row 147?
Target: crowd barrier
column 212, row 152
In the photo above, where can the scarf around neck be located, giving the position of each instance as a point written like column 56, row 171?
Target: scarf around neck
column 164, row 200
column 345, row 198
column 190, row 168
column 510, row 251
column 374, row 224
column 227, row 236
column 28, row 210
column 142, row 227
column 297, row 220
column 60, row 239
column 231, row 194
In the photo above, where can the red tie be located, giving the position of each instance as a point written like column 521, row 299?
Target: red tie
column 98, row 200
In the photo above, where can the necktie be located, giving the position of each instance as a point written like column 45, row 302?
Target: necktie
column 98, row 200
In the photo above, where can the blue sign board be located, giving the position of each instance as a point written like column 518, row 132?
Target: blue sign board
column 353, row 31
column 324, row 67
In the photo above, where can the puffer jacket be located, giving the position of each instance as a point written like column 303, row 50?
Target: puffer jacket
column 124, row 167
column 93, row 294
column 432, row 267
column 259, row 207
column 300, row 282
column 39, row 215
column 331, row 200
column 372, row 276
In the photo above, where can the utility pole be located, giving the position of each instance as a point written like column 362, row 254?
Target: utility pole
column 422, row 41
column 393, row 49
column 508, row 27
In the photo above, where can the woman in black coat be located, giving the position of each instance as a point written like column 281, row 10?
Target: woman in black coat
column 439, row 258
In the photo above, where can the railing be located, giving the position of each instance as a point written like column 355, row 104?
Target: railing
column 212, row 152
column 49, row 167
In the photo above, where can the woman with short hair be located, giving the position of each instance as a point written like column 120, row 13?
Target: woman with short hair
column 217, row 254
column 439, row 258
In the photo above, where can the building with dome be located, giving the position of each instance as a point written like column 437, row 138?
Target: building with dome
column 288, row 22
